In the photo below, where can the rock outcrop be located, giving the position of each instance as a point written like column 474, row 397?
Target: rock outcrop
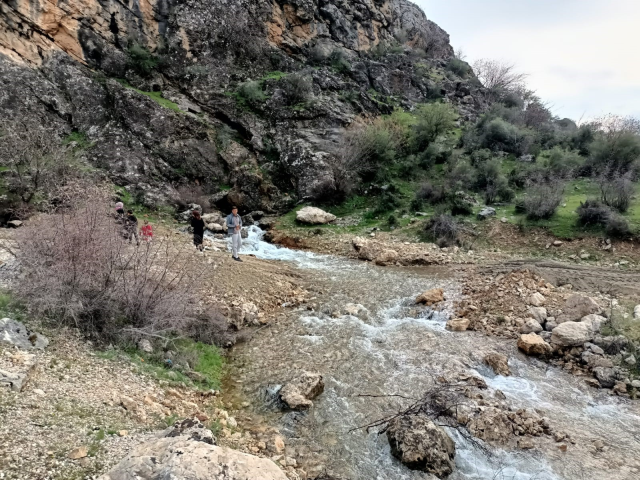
column 431, row 297
column 499, row 363
column 155, row 88
column 421, row 445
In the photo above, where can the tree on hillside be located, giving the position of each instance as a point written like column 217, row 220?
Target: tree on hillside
column 498, row 76
column 616, row 148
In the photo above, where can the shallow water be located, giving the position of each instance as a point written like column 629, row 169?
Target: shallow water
column 396, row 347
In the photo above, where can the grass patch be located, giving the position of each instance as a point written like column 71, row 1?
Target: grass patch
column 155, row 96
column 80, row 139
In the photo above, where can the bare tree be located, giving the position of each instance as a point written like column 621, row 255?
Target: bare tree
column 459, row 54
column 496, row 75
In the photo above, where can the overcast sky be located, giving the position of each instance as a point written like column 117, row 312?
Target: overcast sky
column 582, row 56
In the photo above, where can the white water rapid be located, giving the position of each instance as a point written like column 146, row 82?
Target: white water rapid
column 396, row 348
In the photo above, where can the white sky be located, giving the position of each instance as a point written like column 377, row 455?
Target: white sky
column 582, row 56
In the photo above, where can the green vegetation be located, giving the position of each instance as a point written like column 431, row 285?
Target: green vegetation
column 155, row 96
column 80, row 140
column 185, row 362
column 141, row 60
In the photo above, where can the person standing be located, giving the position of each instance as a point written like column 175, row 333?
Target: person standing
column 119, row 210
column 131, row 227
column 197, row 223
column 234, row 228
column 146, row 232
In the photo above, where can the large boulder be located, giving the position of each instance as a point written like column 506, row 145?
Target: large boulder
column 536, row 299
column 298, row 393
column 531, row 326
column 15, row 333
column 421, row 445
column 538, row 313
column 578, row 306
column 186, row 457
column 499, row 363
column 533, row 344
column 571, row 334
column 387, row 257
column 431, row 297
column 458, row 324
column 594, row 322
column 486, row 212
column 314, row 216
column 492, row 425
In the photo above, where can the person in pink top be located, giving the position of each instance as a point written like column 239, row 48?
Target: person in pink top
column 146, row 232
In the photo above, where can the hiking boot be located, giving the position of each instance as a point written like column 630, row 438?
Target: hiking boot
column 237, row 259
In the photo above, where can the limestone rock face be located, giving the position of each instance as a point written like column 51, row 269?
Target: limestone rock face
column 181, row 457
column 421, row 445
column 314, row 216
column 15, row 333
column 298, row 393
column 533, row 344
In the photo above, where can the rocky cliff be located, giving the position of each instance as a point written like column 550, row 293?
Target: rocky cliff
column 252, row 95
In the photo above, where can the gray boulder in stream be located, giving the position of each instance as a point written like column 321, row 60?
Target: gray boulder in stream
column 298, row 393
column 421, row 445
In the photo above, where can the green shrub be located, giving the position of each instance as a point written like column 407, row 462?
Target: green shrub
column 615, row 153
column 387, row 201
column 416, row 205
column 592, row 212
column 543, row 199
column 141, row 60
column 459, row 67
column 392, row 221
column 339, row 61
column 251, row 92
column 298, row 88
column 432, row 121
column 460, row 205
column 617, row 226
column 563, row 163
column 431, row 194
column 617, row 192
column 461, row 176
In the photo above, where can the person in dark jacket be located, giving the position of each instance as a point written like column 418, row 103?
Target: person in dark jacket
column 197, row 223
column 131, row 227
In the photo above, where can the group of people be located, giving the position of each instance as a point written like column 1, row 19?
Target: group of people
column 130, row 225
column 234, row 230
column 130, row 228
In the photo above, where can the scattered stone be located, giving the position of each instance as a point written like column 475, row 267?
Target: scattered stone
column 571, row 334
column 606, row 376
column 354, row 309
column 15, row 333
column 557, row 243
column 421, row 445
column 635, row 383
column 39, row 392
column 533, row 344
column 78, row 453
column 531, row 326
column 630, row 360
column 537, row 299
column 314, row 216
column 563, row 447
column 192, row 429
column 538, row 313
column 499, row 363
column 15, row 381
column 578, row 306
column 504, row 220
column 298, row 393
column 123, row 433
column 431, row 297
column 14, row 223
column 525, row 444
column 458, row 324
column 486, row 212
column 145, row 345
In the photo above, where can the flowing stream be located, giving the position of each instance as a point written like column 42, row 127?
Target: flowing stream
column 395, row 347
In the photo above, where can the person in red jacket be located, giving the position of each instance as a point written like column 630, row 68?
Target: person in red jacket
column 146, row 232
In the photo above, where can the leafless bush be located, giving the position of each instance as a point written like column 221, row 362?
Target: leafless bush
column 617, row 191
column 496, row 75
column 431, row 194
column 298, row 88
column 444, row 230
column 542, row 199
column 78, row 270
column 36, row 162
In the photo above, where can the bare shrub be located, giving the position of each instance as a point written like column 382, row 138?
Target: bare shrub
column 431, row 194
column 79, row 271
column 542, row 199
column 496, row 75
column 444, row 230
column 591, row 212
column 617, row 226
column 617, row 191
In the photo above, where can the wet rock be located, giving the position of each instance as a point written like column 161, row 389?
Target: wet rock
column 571, row 334
column 314, row 216
column 486, row 213
column 536, row 299
column 182, row 457
column 387, row 257
column 578, row 306
column 431, row 297
column 606, row 376
column 492, row 425
column 538, row 313
column 533, row 344
column 15, row 333
column 421, row 445
column 458, row 324
column 531, row 326
column 298, row 393
column 499, row 363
